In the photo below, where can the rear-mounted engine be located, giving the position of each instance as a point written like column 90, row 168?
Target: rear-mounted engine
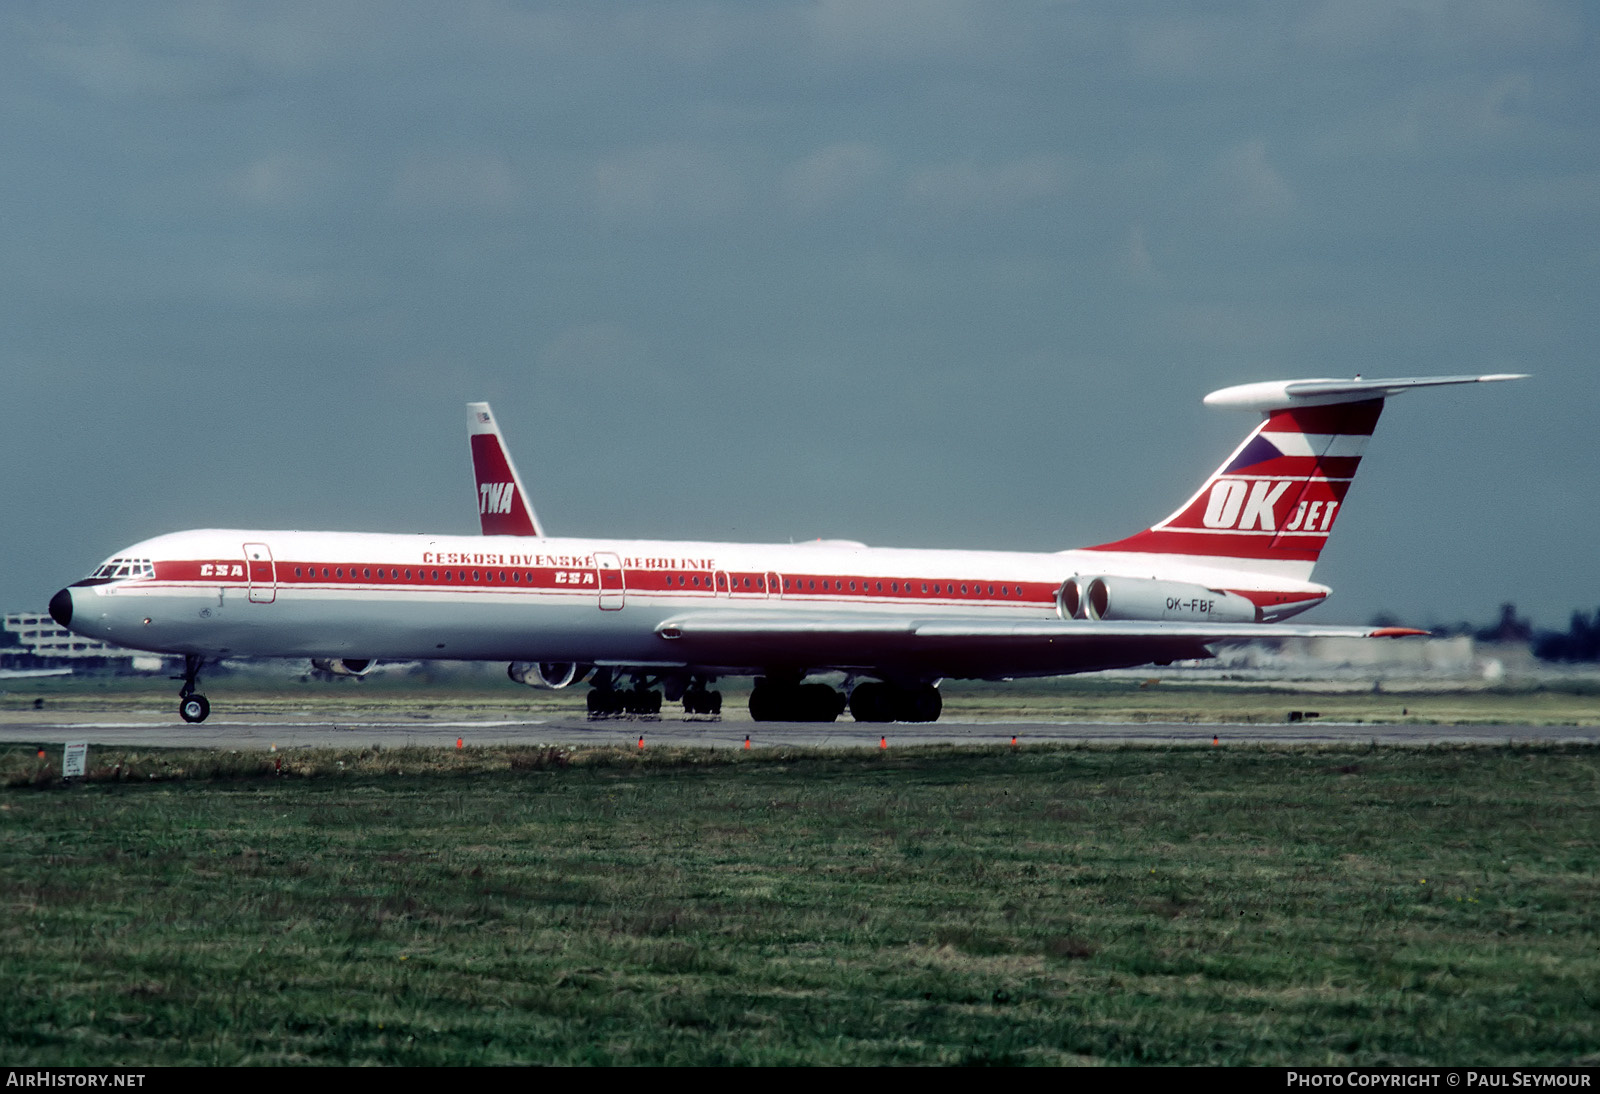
column 1147, row 600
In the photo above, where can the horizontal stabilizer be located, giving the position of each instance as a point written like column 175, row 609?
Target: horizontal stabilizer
column 1284, row 394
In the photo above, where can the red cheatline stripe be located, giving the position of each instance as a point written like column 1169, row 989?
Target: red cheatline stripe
column 807, row 588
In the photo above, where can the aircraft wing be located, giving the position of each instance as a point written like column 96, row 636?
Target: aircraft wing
column 964, row 646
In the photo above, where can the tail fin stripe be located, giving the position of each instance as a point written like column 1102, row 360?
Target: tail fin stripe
column 1321, row 445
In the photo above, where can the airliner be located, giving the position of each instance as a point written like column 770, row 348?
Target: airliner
column 643, row 620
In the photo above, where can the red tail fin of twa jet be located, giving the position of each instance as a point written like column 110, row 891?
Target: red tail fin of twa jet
column 503, row 505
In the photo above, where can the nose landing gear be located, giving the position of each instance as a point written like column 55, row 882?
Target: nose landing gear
column 192, row 706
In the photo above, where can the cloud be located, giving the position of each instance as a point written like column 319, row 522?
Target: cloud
column 113, row 62
column 1135, row 256
column 968, row 185
column 670, row 181
column 831, row 175
column 1440, row 28
column 464, row 181
column 594, row 352
column 282, row 180
column 1248, row 186
column 893, row 27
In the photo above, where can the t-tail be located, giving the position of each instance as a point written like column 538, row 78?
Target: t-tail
column 1271, row 506
column 503, row 505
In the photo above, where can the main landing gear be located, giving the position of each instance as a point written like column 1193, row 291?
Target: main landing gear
column 697, row 699
column 640, row 698
column 875, row 702
column 781, row 699
column 192, row 706
column 606, row 700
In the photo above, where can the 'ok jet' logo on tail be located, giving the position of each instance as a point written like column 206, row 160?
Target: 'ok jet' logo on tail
column 1245, row 506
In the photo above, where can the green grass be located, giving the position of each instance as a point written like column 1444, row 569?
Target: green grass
column 1094, row 905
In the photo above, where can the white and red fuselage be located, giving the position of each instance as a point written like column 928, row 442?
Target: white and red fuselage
column 233, row 593
column 1234, row 558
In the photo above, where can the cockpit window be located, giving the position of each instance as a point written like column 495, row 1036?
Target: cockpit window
column 119, row 568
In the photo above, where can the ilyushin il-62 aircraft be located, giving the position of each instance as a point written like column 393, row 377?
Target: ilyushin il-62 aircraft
column 643, row 619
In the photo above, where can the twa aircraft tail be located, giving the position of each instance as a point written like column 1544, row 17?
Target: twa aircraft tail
column 1271, row 506
column 503, row 505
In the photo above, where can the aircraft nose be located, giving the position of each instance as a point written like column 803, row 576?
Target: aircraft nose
column 61, row 607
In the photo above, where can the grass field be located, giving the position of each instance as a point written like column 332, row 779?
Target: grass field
column 1073, row 905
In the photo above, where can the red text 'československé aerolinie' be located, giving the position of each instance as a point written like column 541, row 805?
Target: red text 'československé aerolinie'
column 642, row 620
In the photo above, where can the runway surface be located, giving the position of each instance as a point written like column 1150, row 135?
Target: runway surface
column 302, row 731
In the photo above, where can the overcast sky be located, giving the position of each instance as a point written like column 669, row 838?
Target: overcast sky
column 915, row 272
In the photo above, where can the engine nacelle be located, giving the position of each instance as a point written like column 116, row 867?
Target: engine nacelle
column 547, row 674
column 1145, row 599
column 344, row 666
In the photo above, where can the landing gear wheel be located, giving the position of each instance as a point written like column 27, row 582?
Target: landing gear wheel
column 192, row 706
column 701, row 701
column 781, row 702
column 871, row 702
column 925, row 704
column 877, row 702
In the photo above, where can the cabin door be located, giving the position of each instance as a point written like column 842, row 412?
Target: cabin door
column 261, row 573
column 613, row 581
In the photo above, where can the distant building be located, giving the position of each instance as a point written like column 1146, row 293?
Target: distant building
column 34, row 640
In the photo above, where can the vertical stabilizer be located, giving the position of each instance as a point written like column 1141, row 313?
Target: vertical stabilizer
column 1272, row 505
column 503, row 505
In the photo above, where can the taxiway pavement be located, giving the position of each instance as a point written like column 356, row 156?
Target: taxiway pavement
column 302, row 731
